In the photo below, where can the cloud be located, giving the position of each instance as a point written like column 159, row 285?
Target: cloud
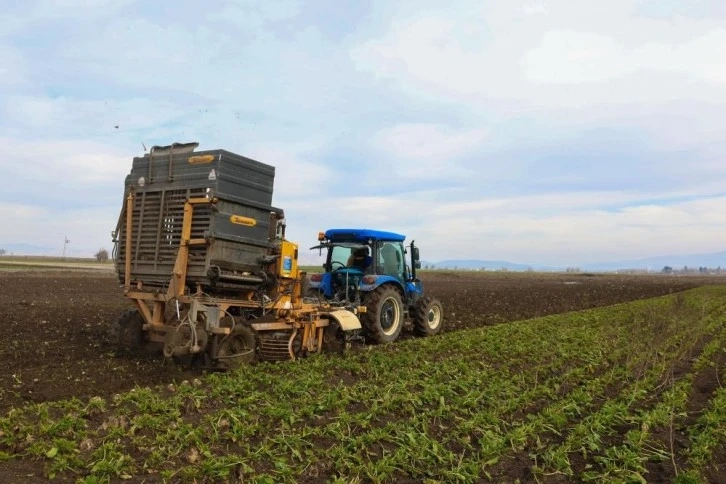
column 425, row 150
column 535, row 8
column 571, row 57
column 12, row 66
column 557, row 229
column 503, row 58
column 586, row 235
column 575, row 57
column 436, row 51
column 420, row 141
column 255, row 14
column 88, row 228
column 44, row 163
column 295, row 176
column 74, row 116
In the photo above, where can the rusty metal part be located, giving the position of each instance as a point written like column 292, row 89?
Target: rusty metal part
column 279, row 345
column 185, row 340
column 177, row 284
column 129, row 227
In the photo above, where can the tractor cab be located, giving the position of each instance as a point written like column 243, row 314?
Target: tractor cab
column 360, row 260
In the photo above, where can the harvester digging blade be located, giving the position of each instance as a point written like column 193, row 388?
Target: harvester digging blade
column 184, row 344
column 237, row 348
column 128, row 335
column 334, row 338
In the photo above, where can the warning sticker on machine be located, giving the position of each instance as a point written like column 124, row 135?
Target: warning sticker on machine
column 240, row 220
column 200, row 159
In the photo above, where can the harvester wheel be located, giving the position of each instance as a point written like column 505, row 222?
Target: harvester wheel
column 383, row 319
column 428, row 316
column 237, row 348
column 333, row 338
column 128, row 331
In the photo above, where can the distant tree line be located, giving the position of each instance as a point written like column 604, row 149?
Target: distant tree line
column 692, row 270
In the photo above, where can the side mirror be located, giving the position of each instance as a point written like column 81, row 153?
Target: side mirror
column 415, row 255
column 417, row 264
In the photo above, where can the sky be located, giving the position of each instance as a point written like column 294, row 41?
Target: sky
column 536, row 131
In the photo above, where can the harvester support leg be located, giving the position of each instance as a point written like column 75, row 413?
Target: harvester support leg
column 144, row 310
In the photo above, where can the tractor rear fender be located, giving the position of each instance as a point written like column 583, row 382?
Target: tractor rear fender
column 371, row 282
column 414, row 286
column 346, row 319
column 414, row 289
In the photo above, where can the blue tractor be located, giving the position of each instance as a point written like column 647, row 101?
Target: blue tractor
column 367, row 273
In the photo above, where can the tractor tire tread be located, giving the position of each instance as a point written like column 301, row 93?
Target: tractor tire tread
column 421, row 316
column 371, row 318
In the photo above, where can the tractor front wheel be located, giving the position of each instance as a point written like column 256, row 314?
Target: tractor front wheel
column 383, row 319
column 428, row 316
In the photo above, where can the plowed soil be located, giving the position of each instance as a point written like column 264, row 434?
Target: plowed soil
column 55, row 342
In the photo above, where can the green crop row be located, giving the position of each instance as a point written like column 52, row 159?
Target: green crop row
column 586, row 395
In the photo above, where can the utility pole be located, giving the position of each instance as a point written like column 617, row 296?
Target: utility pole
column 65, row 243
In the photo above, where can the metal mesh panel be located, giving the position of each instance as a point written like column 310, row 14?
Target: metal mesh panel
column 274, row 346
column 156, row 234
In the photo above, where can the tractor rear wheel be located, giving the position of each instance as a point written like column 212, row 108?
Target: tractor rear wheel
column 428, row 316
column 383, row 319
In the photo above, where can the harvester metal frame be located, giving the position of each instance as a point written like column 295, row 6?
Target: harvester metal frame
column 286, row 313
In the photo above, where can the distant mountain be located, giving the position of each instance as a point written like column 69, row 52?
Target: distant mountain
column 712, row 260
column 656, row 263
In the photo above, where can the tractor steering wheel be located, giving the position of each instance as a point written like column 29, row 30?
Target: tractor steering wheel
column 332, row 265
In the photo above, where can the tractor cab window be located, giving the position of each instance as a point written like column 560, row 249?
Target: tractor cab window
column 390, row 259
column 339, row 257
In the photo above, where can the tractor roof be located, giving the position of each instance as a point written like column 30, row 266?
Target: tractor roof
column 361, row 235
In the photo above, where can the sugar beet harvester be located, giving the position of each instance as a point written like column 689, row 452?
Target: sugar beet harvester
column 202, row 253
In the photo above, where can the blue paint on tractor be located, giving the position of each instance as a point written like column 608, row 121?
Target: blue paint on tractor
column 379, row 280
column 362, row 235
